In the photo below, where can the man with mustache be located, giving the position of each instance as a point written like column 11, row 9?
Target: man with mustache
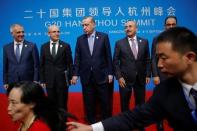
column 132, row 66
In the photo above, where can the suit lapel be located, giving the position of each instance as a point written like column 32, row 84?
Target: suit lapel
column 96, row 42
column 23, row 51
column 128, row 48
column 140, row 47
column 178, row 98
column 85, row 43
column 11, row 49
column 60, row 49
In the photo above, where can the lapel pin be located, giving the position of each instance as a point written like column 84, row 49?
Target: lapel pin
column 60, row 45
column 97, row 37
column 25, row 45
column 140, row 40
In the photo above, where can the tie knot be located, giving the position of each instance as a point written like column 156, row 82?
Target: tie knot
column 53, row 43
column 193, row 92
column 18, row 44
column 132, row 39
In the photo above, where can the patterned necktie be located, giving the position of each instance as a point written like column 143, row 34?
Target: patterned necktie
column 53, row 50
column 18, row 54
column 193, row 92
column 134, row 48
column 91, row 44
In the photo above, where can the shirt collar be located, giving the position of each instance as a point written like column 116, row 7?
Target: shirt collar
column 134, row 38
column 57, row 42
column 15, row 42
column 187, row 87
column 93, row 34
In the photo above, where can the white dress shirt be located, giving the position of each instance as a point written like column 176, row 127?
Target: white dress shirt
column 56, row 46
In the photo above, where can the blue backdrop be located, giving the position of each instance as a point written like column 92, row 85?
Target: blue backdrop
column 110, row 15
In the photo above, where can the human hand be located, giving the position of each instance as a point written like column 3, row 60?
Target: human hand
column 43, row 85
column 74, row 80
column 75, row 126
column 156, row 80
column 5, row 86
column 147, row 80
column 122, row 82
column 110, row 78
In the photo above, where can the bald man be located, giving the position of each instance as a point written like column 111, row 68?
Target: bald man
column 55, row 64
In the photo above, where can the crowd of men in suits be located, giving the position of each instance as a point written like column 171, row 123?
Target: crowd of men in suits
column 93, row 63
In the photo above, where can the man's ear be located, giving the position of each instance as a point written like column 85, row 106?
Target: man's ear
column 191, row 56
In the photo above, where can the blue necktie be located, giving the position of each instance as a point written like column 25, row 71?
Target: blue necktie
column 18, row 54
column 91, row 44
column 193, row 92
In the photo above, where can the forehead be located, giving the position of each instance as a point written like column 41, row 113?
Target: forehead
column 164, row 47
column 130, row 23
column 52, row 28
column 17, row 27
column 15, row 94
column 87, row 20
column 171, row 20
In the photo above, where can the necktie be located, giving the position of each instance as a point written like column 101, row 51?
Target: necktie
column 91, row 44
column 134, row 48
column 53, row 50
column 193, row 92
column 18, row 54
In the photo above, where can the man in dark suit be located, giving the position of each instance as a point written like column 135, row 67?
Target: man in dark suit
column 55, row 67
column 173, row 99
column 20, row 58
column 170, row 22
column 93, row 63
column 132, row 72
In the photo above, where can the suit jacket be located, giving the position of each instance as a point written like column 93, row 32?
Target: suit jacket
column 167, row 102
column 100, row 62
column 125, row 64
column 26, row 69
column 155, row 70
column 53, row 69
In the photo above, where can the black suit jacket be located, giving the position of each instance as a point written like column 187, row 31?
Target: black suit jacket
column 26, row 69
column 100, row 62
column 52, row 69
column 125, row 64
column 167, row 102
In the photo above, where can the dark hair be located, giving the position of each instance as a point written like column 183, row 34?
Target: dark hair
column 181, row 39
column 44, row 109
column 170, row 16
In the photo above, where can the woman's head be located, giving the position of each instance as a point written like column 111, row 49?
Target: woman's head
column 24, row 99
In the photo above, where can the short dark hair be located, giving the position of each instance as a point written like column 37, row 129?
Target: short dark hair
column 170, row 16
column 181, row 39
column 44, row 108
